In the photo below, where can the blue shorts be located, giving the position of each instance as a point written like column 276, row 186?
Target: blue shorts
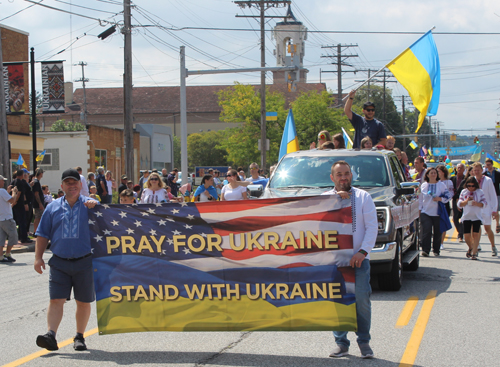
column 66, row 275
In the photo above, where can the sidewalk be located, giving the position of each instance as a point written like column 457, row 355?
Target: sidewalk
column 21, row 247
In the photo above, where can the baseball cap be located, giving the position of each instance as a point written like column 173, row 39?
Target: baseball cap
column 70, row 173
column 3, row 178
column 124, row 177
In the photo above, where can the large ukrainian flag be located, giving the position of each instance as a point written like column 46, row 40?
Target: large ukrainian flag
column 289, row 141
column 417, row 69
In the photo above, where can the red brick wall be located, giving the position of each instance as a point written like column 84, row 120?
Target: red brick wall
column 15, row 47
column 109, row 139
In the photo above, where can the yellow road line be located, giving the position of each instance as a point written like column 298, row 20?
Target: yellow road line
column 417, row 334
column 42, row 352
column 407, row 311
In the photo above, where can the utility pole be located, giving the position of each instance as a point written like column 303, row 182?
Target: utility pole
column 340, row 61
column 83, row 80
column 368, row 82
column 128, row 130
column 4, row 133
column 262, row 6
column 33, row 106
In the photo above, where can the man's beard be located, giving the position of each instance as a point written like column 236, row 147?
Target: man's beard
column 344, row 187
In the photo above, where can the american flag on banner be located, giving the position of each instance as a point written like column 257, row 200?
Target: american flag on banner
column 274, row 247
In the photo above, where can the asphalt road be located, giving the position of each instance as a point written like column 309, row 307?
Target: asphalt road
column 458, row 327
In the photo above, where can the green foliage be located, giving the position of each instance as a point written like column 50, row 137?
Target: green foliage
column 241, row 103
column 205, row 150
column 177, row 151
column 313, row 112
column 63, row 125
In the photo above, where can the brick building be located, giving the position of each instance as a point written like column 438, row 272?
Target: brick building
column 15, row 48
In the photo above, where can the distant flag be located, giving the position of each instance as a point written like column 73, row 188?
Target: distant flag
column 20, row 161
column 347, row 139
column 271, row 116
column 418, row 70
column 476, row 156
column 40, row 156
column 413, row 145
column 423, row 151
column 289, row 141
column 496, row 163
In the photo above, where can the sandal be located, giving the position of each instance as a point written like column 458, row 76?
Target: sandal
column 474, row 257
column 498, row 229
column 469, row 253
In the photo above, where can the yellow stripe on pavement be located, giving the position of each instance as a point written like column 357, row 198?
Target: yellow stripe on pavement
column 417, row 334
column 407, row 311
column 42, row 352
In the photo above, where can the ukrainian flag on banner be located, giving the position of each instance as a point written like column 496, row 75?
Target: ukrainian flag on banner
column 20, row 161
column 417, row 69
column 289, row 141
column 347, row 139
column 40, row 156
column 496, row 163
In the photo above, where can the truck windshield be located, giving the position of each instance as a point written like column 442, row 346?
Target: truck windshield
column 312, row 172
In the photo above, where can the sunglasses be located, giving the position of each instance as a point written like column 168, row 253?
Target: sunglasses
column 471, row 185
column 370, row 109
column 154, row 179
column 229, row 175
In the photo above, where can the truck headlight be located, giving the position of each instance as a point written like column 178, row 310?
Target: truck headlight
column 383, row 220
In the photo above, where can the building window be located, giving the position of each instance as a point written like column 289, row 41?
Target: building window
column 47, row 160
column 100, row 158
column 118, row 152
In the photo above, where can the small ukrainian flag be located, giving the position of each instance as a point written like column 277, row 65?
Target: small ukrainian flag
column 413, row 145
column 40, row 156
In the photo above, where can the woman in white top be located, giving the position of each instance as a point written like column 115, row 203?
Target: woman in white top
column 233, row 191
column 110, row 185
column 443, row 177
column 432, row 191
column 155, row 190
column 472, row 201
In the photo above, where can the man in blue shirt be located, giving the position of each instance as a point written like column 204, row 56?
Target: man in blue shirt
column 65, row 223
column 365, row 126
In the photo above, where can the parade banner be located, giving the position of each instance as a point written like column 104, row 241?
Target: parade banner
column 471, row 149
column 268, row 265
column 13, row 81
column 53, row 87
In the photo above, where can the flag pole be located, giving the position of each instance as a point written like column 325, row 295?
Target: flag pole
column 383, row 67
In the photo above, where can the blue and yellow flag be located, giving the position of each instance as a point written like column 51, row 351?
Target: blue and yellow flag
column 476, row 156
column 413, row 145
column 20, row 161
column 289, row 141
column 417, row 69
column 40, row 156
column 496, row 163
column 347, row 139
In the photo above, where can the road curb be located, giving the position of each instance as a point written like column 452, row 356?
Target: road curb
column 30, row 247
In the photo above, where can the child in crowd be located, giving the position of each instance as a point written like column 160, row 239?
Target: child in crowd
column 171, row 196
column 47, row 197
column 93, row 193
column 127, row 197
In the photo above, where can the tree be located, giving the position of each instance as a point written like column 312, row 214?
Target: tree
column 313, row 112
column 205, row 150
column 177, row 151
column 63, row 125
column 241, row 103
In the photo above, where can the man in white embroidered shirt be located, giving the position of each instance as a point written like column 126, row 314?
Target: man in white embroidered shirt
column 364, row 220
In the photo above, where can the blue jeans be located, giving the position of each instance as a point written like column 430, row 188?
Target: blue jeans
column 363, row 307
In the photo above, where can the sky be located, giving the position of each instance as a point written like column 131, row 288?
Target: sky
column 470, row 62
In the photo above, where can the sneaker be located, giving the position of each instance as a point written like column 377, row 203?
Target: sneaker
column 425, row 254
column 494, row 251
column 79, row 342
column 9, row 258
column 366, row 351
column 436, row 253
column 442, row 247
column 47, row 341
column 5, row 260
column 339, row 351
column 27, row 241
